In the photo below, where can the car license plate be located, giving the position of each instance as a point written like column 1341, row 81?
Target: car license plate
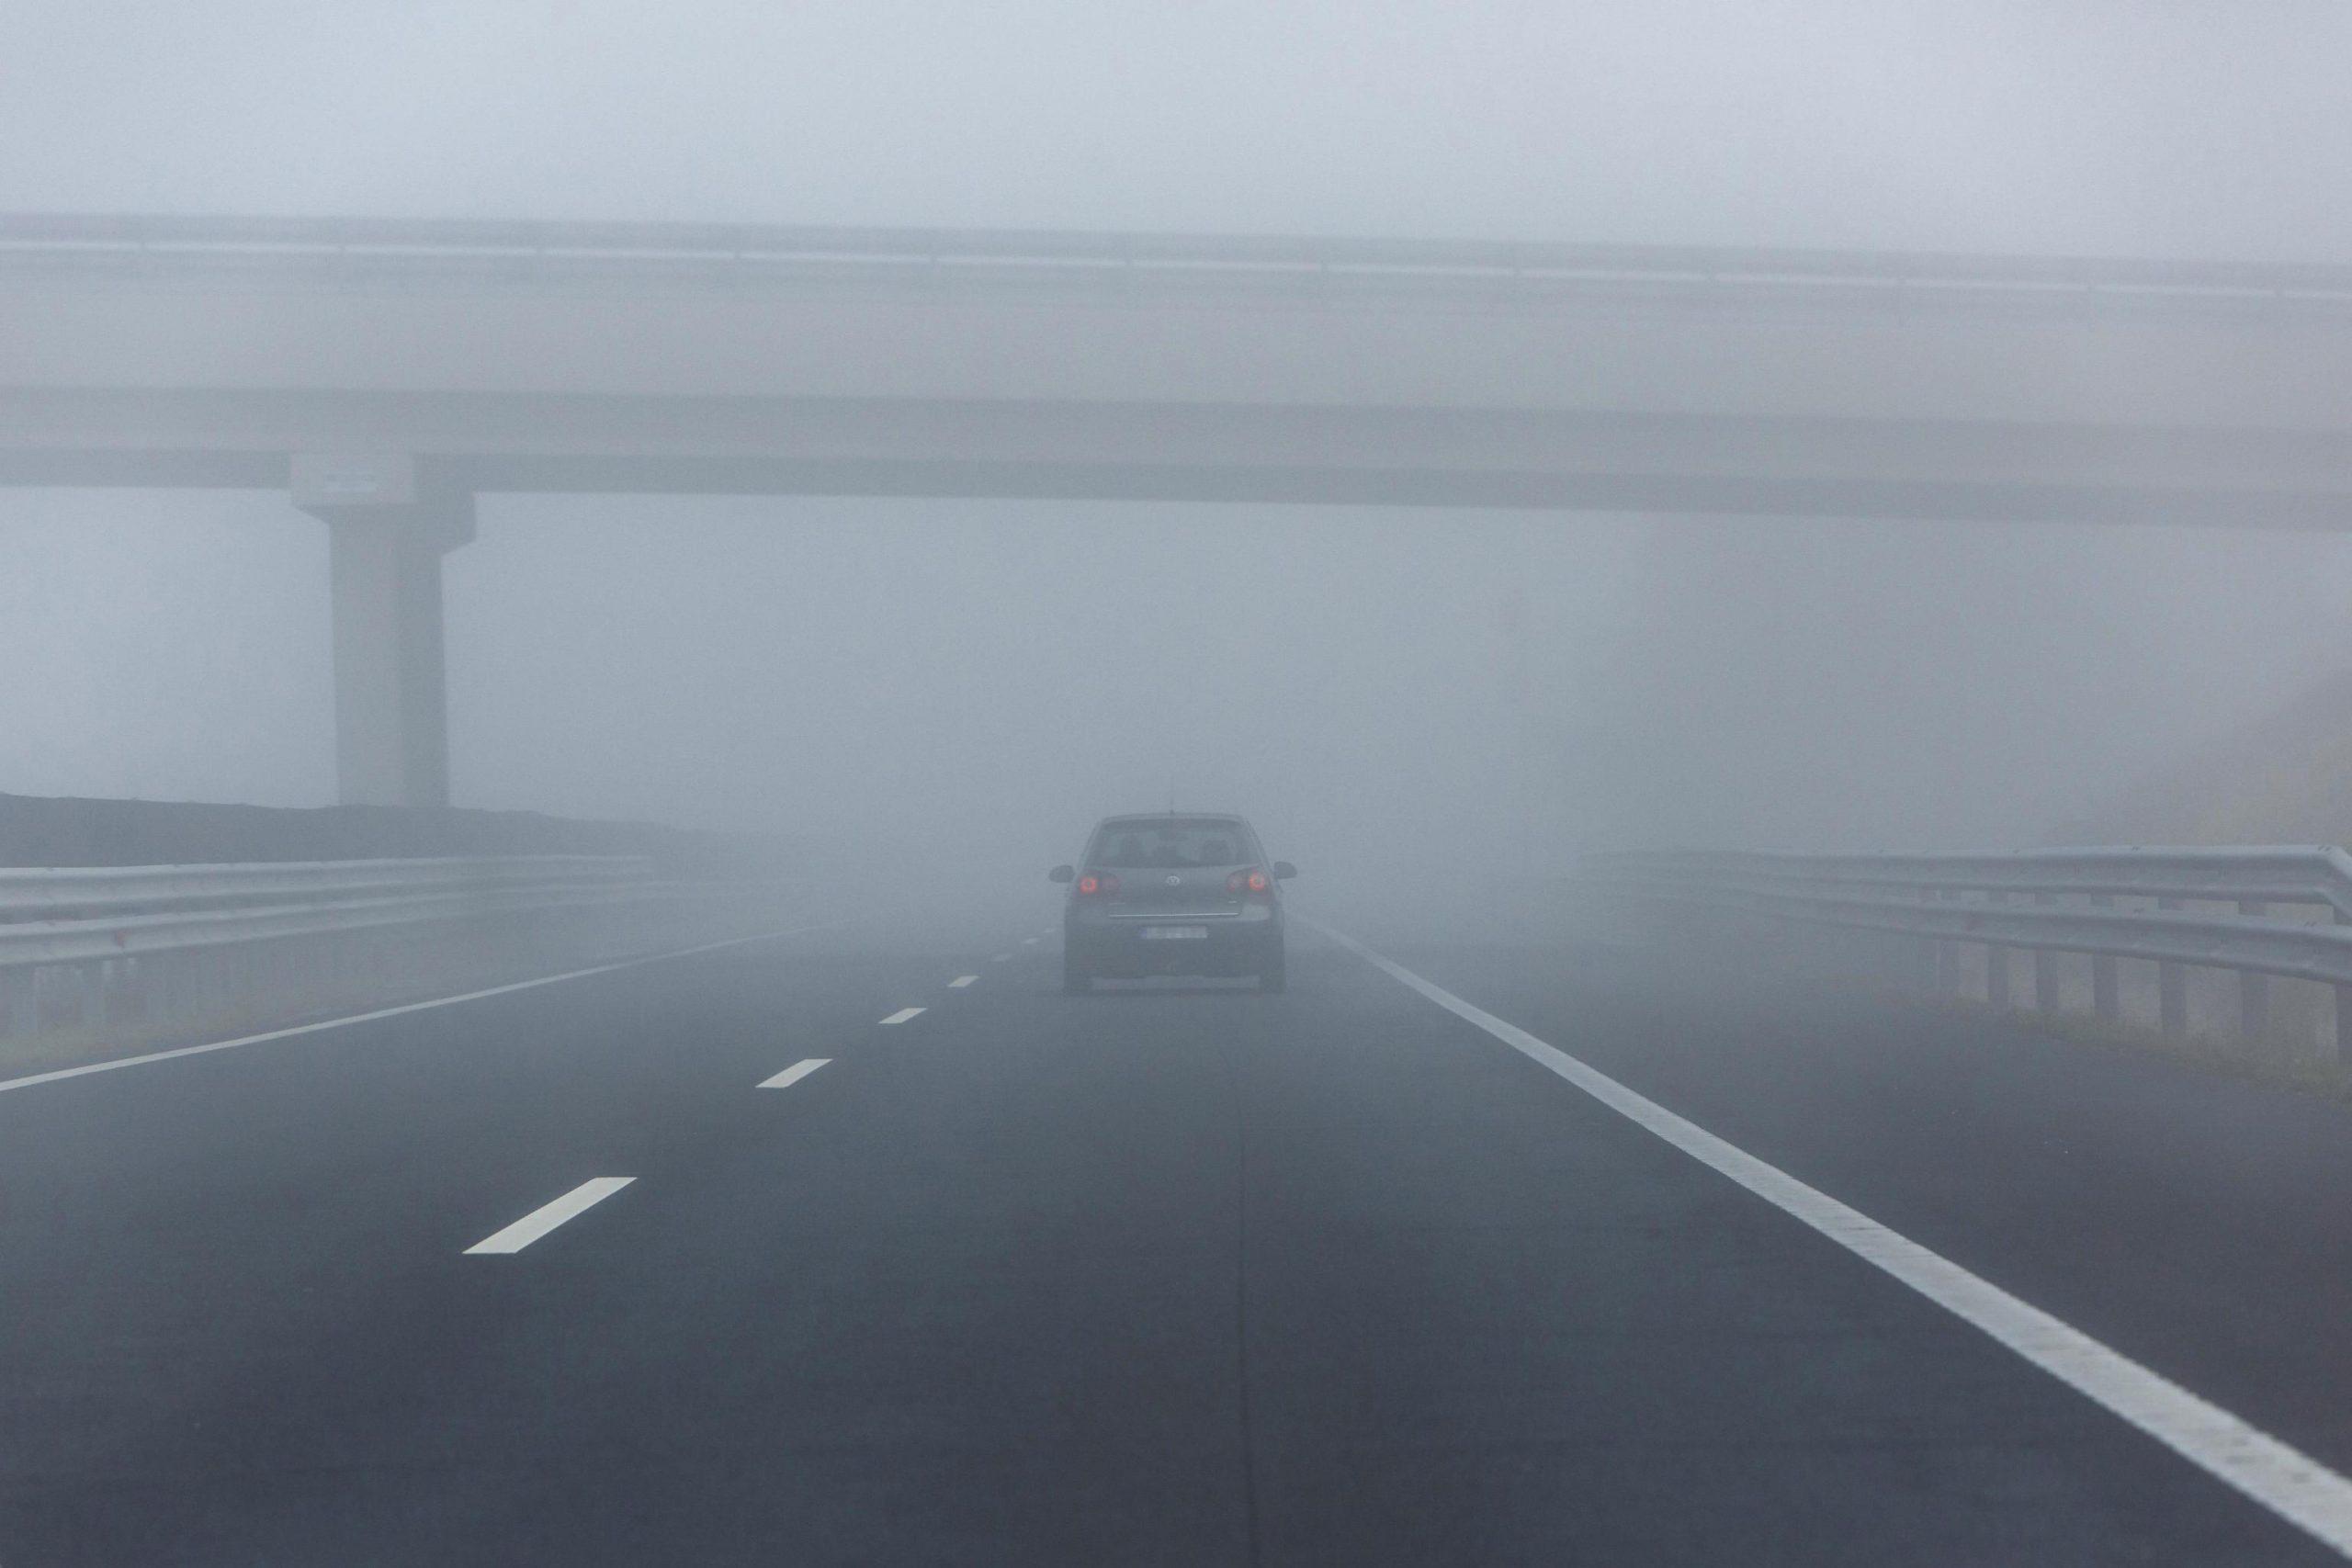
column 1175, row 933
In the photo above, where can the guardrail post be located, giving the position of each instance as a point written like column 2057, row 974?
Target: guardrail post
column 1996, row 964
column 2045, row 970
column 2254, row 991
column 138, row 984
column 1923, row 953
column 200, row 985
column 236, row 978
column 163, row 987
column 2343, row 1007
column 2172, row 989
column 1947, row 957
column 2107, row 1002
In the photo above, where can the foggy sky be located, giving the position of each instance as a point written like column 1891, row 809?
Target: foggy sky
column 1489, row 688
column 2090, row 126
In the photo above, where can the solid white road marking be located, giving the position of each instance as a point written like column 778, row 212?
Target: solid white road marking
column 961, row 981
column 370, row 1016
column 2282, row 1479
column 540, row 1220
column 902, row 1015
column 795, row 1073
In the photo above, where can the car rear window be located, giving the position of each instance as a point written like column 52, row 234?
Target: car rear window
column 1173, row 842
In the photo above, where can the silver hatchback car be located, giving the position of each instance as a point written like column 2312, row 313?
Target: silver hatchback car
column 1174, row 894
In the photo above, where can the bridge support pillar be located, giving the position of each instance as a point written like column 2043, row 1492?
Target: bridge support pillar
column 388, row 528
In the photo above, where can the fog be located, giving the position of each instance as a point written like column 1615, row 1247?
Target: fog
column 2097, row 126
column 1407, row 688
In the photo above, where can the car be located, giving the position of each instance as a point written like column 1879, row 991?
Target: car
column 1174, row 894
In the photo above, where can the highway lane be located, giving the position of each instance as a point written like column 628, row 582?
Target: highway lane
column 2190, row 1220
column 1188, row 1276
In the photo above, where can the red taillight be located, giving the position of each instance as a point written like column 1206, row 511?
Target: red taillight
column 1249, row 881
column 1094, row 882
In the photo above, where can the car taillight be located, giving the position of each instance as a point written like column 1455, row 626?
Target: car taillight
column 1094, row 882
column 1250, row 880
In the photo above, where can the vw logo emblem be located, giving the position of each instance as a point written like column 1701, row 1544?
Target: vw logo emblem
column 1175, row 882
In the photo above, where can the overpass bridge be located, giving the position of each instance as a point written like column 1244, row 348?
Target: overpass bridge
column 387, row 373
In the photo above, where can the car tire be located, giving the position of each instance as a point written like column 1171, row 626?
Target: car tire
column 1077, row 978
column 1274, row 978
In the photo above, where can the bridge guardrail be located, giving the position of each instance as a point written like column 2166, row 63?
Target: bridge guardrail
column 2020, row 901
column 388, row 246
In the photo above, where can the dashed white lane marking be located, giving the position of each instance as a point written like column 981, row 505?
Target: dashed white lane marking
column 961, row 981
column 370, row 1016
column 1001, row 958
column 540, row 1220
column 1030, row 941
column 902, row 1015
column 795, row 1073
column 2287, row 1481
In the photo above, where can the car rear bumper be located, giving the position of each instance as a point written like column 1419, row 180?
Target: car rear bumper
column 1235, row 944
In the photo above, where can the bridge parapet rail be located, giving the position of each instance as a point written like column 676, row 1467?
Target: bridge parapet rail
column 2285, row 912
column 142, row 950
column 381, row 249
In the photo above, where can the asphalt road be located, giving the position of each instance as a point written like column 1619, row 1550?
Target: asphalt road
column 1180, row 1275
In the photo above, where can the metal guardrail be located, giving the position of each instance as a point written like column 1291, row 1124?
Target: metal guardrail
column 73, row 916
column 2317, row 874
column 81, row 944
column 70, row 892
column 380, row 246
column 2018, row 901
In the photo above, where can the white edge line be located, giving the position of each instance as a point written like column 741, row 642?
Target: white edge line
column 1001, row 958
column 1031, row 941
column 903, row 1014
column 2283, row 1478
column 961, row 981
column 120, row 1062
column 795, row 1073
column 545, row 1218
